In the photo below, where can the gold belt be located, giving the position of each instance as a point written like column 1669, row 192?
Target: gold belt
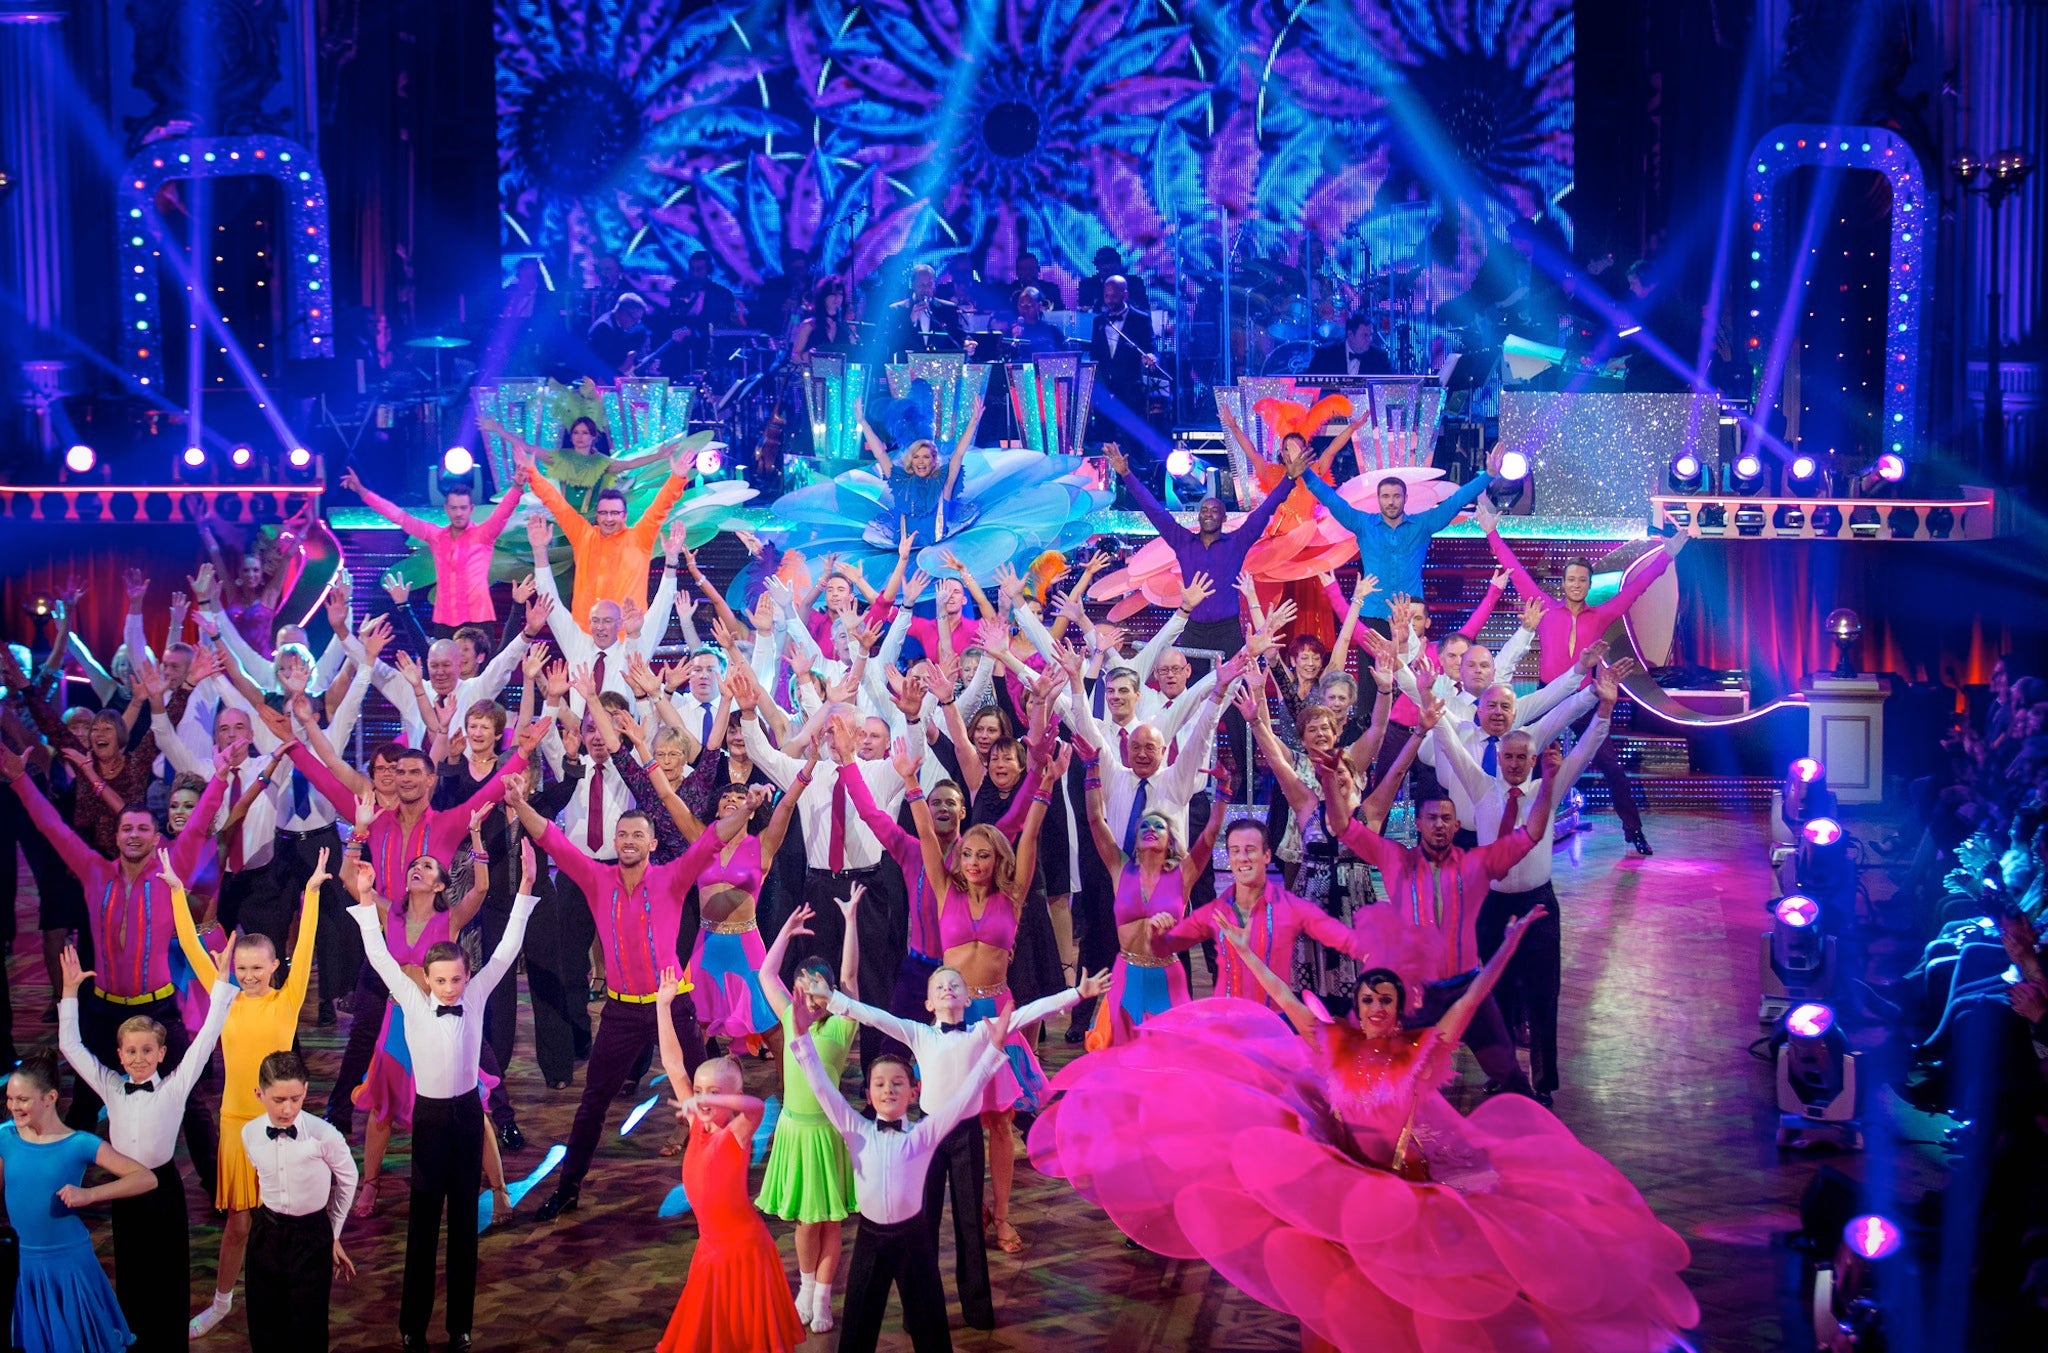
column 729, row 927
column 164, row 992
column 1144, row 960
column 989, row 993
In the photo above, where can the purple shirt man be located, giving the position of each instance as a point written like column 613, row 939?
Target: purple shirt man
column 1208, row 549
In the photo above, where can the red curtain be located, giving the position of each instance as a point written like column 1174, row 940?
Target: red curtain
column 1930, row 612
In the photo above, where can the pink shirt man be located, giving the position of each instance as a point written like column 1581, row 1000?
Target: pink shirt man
column 1445, row 891
column 462, row 559
column 1272, row 925
column 1562, row 634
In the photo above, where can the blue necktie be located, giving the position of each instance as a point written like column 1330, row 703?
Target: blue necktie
column 1095, row 700
column 302, row 795
column 1488, row 760
column 1131, row 827
column 704, row 740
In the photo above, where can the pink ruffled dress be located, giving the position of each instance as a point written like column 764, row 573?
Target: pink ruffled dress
column 387, row 1089
column 1219, row 1134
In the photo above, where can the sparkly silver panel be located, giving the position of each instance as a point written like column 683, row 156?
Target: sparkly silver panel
column 1051, row 395
column 955, row 385
column 1599, row 455
column 643, row 412
column 834, row 394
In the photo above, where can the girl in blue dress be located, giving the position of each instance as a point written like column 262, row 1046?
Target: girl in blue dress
column 63, row 1302
column 921, row 489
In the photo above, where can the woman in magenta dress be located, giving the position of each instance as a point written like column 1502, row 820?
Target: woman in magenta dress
column 1152, row 891
column 1327, row 1177
column 737, row 1297
column 726, row 963
column 424, row 920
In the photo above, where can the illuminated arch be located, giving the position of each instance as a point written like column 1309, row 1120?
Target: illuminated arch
column 1771, row 232
column 309, row 312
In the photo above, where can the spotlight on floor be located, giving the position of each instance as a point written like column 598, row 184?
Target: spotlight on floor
column 1505, row 489
column 1873, row 1237
column 1686, row 473
column 1802, row 476
column 1864, row 523
column 80, row 459
column 1745, row 474
column 1798, row 960
column 457, row 462
column 1817, row 1093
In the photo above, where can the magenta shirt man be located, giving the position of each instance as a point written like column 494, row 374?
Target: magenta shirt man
column 461, row 549
column 1568, row 626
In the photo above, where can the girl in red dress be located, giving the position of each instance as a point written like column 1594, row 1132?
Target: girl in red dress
column 737, row 1297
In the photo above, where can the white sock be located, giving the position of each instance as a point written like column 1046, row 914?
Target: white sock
column 806, row 1288
column 223, row 1301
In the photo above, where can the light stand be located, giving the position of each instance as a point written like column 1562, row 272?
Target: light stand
column 1994, row 180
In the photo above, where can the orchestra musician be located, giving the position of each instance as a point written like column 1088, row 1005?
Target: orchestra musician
column 620, row 335
column 923, row 321
column 1110, row 264
column 1121, row 348
column 1049, row 295
column 1029, row 332
column 826, row 328
column 698, row 306
column 1359, row 354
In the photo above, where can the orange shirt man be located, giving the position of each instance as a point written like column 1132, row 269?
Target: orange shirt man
column 612, row 558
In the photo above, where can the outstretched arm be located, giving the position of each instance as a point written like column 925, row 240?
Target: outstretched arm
column 1458, row 1018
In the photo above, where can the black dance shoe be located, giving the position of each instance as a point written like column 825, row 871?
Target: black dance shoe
column 560, row 1201
column 510, row 1138
column 1640, row 842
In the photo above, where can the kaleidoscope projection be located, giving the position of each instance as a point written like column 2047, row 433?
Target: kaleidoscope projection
column 856, row 130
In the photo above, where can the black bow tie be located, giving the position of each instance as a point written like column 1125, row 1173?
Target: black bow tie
column 275, row 1132
column 447, row 1010
column 891, row 1125
column 147, row 1087
column 946, row 1028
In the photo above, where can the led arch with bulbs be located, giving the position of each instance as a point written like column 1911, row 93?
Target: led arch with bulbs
column 1772, row 230
column 309, row 311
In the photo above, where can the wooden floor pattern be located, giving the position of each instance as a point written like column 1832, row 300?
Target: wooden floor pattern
column 1659, row 1006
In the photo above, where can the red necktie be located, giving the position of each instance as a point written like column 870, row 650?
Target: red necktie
column 597, row 672
column 1172, row 750
column 593, row 833
column 1123, row 745
column 235, row 833
column 836, row 852
column 1507, row 817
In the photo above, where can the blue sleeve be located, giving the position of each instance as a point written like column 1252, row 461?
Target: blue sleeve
column 1440, row 516
column 1343, row 513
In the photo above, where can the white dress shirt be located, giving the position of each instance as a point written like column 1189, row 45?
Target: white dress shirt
column 454, row 705
column 1473, row 739
column 580, row 650
column 143, row 1125
column 1489, row 795
column 444, row 1048
column 814, row 805
column 309, row 1172
column 1567, row 690
column 319, row 812
column 945, row 1058
column 889, row 1166
column 1168, row 790
column 262, row 670
column 698, row 715
column 259, row 823
column 613, row 800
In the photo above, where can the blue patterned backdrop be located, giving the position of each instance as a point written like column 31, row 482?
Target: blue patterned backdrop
column 855, row 130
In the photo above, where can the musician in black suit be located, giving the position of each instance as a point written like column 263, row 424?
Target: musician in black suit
column 620, row 335
column 1108, row 264
column 1360, row 354
column 697, row 306
column 1028, row 277
column 922, row 321
column 1121, row 348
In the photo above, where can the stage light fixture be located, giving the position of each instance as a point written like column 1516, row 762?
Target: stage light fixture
column 299, row 458
column 1902, row 522
column 192, row 466
column 80, row 459
column 1940, row 522
column 711, row 459
column 457, row 462
column 194, row 457
column 1685, row 473
column 1827, row 521
column 1822, row 831
column 302, row 467
column 1806, row 770
column 1873, row 1237
column 1713, row 519
column 1802, row 476
column 1180, row 462
column 1864, row 523
column 242, row 457
column 1881, row 475
column 1817, row 1092
column 1745, row 474
column 1787, row 519
column 1798, row 960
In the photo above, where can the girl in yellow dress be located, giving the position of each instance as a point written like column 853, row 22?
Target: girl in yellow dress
column 262, row 1020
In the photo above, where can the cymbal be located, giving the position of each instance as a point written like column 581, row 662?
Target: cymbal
column 437, row 341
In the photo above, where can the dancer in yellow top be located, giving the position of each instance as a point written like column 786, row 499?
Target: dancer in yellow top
column 262, row 1020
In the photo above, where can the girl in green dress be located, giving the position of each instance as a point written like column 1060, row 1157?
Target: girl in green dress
column 810, row 1177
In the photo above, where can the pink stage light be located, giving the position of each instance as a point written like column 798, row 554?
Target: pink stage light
column 1873, row 1237
column 711, row 459
column 1806, row 770
column 1797, row 912
column 1891, row 468
column 1810, row 1020
column 1180, row 463
column 1823, row 831
column 80, row 459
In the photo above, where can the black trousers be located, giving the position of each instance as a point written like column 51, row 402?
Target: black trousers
column 447, row 1172
column 1094, row 906
column 338, row 948
column 366, row 1005
column 959, row 1162
column 99, row 1028
column 884, row 921
column 249, row 898
column 291, row 1280
column 1607, row 761
column 558, row 937
column 625, row 1034
column 1535, row 975
column 1487, row 1035
column 153, row 1263
column 501, row 1011
column 903, row 1253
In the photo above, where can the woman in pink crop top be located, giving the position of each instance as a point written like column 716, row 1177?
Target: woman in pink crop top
column 1152, row 887
column 979, row 896
column 725, row 965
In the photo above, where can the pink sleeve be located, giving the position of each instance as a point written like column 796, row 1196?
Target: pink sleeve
column 587, row 874
column 189, row 844
column 1632, row 587
column 1330, row 932
column 81, row 859
column 1370, row 846
column 880, row 823
column 1506, row 853
column 1530, row 589
column 683, row 871
column 500, row 516
column 325, row 781
column 1477, row 620
column 1191, row 930
column 446, row 828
